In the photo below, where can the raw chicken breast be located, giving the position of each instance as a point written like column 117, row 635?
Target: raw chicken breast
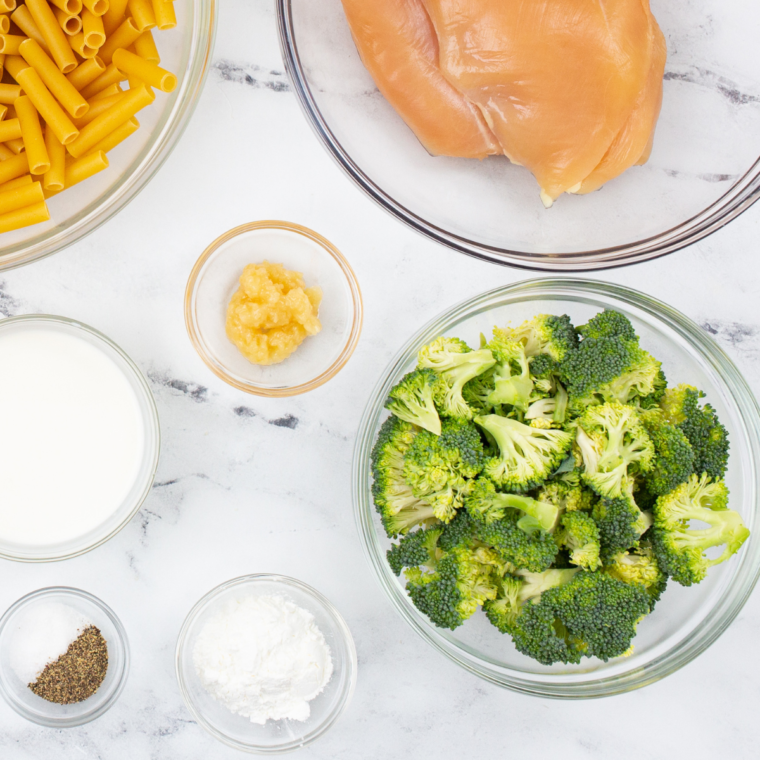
column 397, row 44
column 557, row 80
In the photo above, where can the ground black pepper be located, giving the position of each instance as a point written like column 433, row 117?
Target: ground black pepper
column 77, row 674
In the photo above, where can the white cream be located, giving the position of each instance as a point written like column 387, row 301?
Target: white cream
column 71, row 436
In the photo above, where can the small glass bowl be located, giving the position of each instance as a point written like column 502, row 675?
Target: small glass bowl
column 215, row 277
column 687, row 620
column 152, row 439
column 274, row 737
column 24, row 701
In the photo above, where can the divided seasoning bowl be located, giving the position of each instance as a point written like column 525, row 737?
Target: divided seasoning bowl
column 16, row 690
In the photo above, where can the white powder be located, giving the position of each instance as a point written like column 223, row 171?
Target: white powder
column 264, row 658
column 43, row 633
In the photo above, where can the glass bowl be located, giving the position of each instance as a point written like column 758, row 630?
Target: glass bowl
column 24, row 701
column 151, row 436
column 704, row 170
column 186, row 51
column 215, row 277
column 274, row 737
column 687, row 620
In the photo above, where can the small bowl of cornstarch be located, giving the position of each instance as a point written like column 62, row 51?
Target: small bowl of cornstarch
column 265, row 664
column 64, row 657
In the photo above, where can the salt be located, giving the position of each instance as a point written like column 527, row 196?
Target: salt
column 43, row 633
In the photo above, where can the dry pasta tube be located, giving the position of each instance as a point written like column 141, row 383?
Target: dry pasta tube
column 117, row 136
column 146, row 48
column 110, row 76
column 166, row 18
column 92, row 26
column 87, row 71
column 109, row 92
column 9, row 43
column 3, row 112
column 69, row 24
column 9, row 93
column 10, row 130
column 24, row 21
column 134, row 66
column 14, row 65
column 47, row 106
column 7, row 5
column 69, row 7
column 26, row 179
column 16, row 146
column 142, row 14
column 5, row 24
column 24, row 217
column 54, row 176
column 31, row 132
column 64, row 92
column 114, row 16
column 81, row 48
column 85, row 167
column 5, row 152
column 123, row 37
column 13, row 167
column 117, row 114
column 20, row 197
column 56, row 40
column 97, row 107
column 98, row 7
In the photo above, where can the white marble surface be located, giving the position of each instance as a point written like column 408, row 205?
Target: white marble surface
column 248, row 485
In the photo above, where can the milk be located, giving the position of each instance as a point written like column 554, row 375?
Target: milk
column 71, row 436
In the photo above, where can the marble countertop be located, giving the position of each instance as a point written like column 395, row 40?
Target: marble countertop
column 223, row 505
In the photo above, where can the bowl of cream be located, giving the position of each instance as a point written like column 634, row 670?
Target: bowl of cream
column 80, row 441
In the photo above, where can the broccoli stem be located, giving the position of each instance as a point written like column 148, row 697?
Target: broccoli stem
column 544, row 513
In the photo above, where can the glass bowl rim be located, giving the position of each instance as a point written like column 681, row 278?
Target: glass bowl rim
column 737, row 199
column 679, row 654
column 123, row 641
column 153, row 429
column 357, row 311
column 127, row 189
column 340, row 625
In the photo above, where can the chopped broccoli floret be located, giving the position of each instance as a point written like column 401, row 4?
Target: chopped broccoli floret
column 513, row 384
column 438, row 466
column 608, row 324
column 527, row 455
column 456, row 363
column 514, row 591
column 533, row 550
column 673, row 461
column 543, row 367
column 459, row 532
column 399, row 509
column 545, row 334
column 484, row 502
column 608, row 368
column 680, row 550
column 579, row 534
column 639, row 566
column 593, row 615
column 568, row 497
column 452, row 591
column 621, row 522
column 415, row 550
column 613, row 445
column 701, row 426
column 413, row 399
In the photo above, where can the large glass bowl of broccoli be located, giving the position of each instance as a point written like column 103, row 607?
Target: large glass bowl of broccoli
column 556, row 484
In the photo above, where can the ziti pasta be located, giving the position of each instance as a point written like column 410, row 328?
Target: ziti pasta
column 76, row 74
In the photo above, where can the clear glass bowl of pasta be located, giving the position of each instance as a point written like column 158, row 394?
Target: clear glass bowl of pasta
column 686, row 621
column 186, row 51
column 704, row 170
